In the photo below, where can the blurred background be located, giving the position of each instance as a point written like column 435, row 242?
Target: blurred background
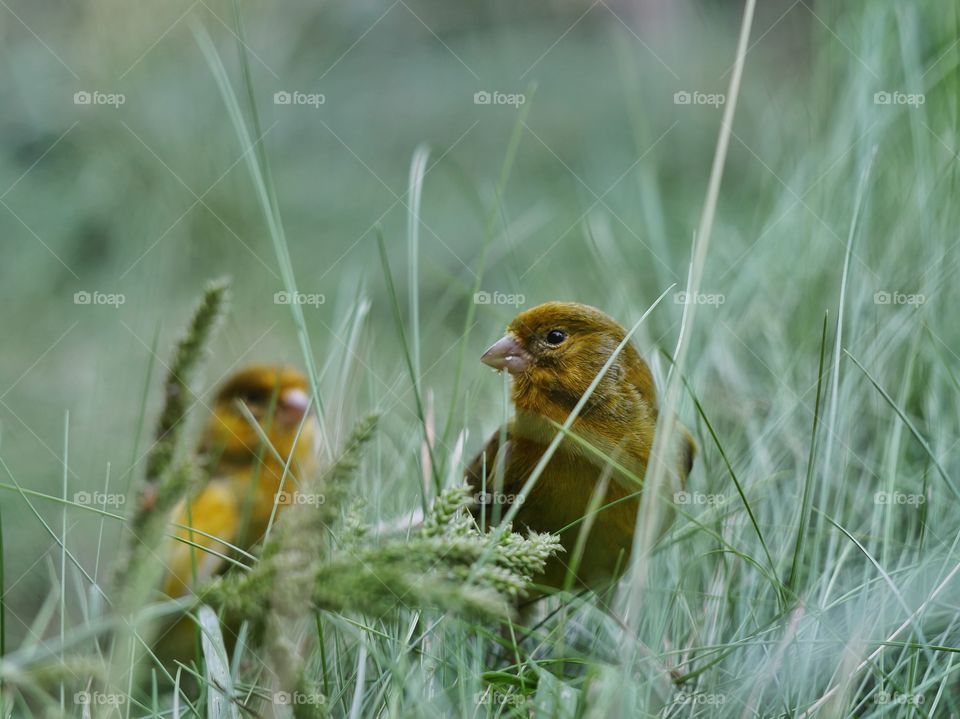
column 124, row 188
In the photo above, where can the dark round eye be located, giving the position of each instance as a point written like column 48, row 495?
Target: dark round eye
column 254, row 397
column 555, row 337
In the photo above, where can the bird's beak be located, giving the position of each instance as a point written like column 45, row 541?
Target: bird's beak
column 506, row 353
column 293, row 404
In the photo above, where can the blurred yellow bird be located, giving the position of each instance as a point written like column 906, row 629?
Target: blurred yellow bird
column 252, row 470
column 553, row 352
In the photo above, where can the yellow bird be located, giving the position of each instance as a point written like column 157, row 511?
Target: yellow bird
column 247, row 465
column 553, row 352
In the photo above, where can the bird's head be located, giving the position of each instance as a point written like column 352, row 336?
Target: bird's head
column 555, row 350
column 277, row 398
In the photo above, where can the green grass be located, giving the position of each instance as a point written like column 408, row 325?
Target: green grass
column 789, row 584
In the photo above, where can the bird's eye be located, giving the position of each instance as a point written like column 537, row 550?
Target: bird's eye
column 555, row 337
column 253, row 398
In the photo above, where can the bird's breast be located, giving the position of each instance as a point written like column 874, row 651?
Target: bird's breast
column 559, row 502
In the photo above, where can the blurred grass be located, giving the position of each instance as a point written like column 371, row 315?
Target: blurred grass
column 600, row 205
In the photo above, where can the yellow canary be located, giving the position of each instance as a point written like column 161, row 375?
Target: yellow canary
column 246, row 465
column 553, row 352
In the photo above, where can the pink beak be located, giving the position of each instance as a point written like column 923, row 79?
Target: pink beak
column 507, row 354
column 293, row 404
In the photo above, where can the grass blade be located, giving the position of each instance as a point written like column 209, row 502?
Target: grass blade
column 220, row 693
column 418, row 167
column 421, row 414
column 793, row 578
column 910, row 426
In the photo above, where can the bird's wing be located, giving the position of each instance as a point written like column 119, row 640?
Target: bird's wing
column 209, row 522
column 477, row 469
column 688, row 452
column 482, row 469
column 496, row 463
column 684, row 451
